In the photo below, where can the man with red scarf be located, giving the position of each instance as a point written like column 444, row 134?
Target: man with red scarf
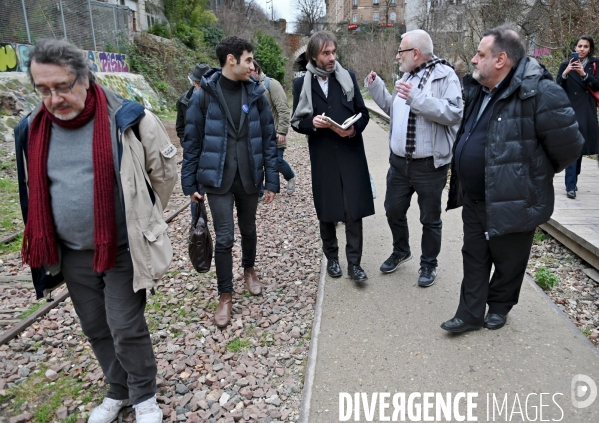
column 95, row 172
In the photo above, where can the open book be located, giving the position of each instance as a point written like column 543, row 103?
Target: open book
column 348, row 122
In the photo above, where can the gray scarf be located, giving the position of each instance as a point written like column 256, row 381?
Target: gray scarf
column 304, row 105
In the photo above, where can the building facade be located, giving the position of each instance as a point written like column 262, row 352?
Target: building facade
column 359, row 12
column 143, row 13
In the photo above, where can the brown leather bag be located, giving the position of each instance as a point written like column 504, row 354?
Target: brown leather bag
column 200, row 242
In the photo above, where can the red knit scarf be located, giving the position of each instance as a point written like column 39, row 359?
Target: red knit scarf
column 39, row 239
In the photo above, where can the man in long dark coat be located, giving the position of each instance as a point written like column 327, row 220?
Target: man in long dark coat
column 340, row 179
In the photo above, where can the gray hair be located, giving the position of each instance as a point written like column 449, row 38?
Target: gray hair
column 506, row 39
column 61, row 53
column 420, row 39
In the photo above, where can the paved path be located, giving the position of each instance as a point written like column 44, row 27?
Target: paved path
column 384, row 336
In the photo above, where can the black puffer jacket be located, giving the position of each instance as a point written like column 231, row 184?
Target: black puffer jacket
column 205, row 142
column 532, row 134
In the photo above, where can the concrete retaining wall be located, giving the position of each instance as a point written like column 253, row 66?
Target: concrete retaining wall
column 18, row 98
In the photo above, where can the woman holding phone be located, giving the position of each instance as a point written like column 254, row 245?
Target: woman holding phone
column 578, row 77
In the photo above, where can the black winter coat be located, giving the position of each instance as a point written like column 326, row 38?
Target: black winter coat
column 205, row 142
column 182, row 106
column 532, row 134
column 583, row 102
column 338, row 164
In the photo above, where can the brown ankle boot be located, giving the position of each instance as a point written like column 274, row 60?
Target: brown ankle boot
column 222, row 316
column 251, row 281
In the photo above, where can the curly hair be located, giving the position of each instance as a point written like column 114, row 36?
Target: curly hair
column 232, row 45
column 61, row 53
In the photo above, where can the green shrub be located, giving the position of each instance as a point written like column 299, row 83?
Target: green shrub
column 545, row 278
column 191, row 37
column 212, row 35
column 539, row 236
column 270, row 56
column 160, row 30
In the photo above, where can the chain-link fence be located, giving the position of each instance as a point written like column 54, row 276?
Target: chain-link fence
column 89, row 24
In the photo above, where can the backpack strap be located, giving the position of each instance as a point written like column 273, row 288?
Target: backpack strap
column 204, row 102
column 267, row 82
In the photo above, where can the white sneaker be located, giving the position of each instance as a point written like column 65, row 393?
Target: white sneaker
column 148, row 411
column 107, row 411
column 291, row 185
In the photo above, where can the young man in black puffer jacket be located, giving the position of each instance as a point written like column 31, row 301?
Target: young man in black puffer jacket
column 229, row 149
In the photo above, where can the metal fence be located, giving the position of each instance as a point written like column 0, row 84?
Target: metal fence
column 90, row 25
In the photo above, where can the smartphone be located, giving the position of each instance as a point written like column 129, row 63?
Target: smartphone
column 575, row 56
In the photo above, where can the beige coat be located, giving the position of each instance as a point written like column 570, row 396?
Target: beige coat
column 279, row 106
column 144, row 165
column 149, row 163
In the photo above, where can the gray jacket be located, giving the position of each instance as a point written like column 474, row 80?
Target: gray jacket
column 440, row 102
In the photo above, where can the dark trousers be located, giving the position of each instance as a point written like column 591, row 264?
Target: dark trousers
column 403, row 180
column 112, row 318
column 221, row 208
column 508, row 253
column 353, row 236
column 572, row 173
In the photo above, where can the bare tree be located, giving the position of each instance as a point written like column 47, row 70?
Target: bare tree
column 242, row 18
column 308, row 15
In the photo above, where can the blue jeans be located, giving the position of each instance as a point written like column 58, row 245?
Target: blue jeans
column 572, row 173
column 403, row 180
column 284, row 168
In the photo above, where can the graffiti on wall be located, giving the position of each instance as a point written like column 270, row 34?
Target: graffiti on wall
column 13, row 58
column 108, row 62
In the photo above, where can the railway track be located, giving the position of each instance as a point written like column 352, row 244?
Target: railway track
column 9, row 285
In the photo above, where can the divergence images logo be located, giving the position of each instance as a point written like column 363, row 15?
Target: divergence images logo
column 583, row 387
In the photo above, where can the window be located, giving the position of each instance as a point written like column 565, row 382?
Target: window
column 393, row 3
column 393, row 17
column 355, row 3
column 375, row 3
column 355, row 18
column 375, row 17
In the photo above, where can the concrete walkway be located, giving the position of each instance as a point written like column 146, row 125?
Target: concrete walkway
column 384, row 337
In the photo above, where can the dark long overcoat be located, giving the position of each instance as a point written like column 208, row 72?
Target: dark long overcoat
column 583, row 102
column 338, row 164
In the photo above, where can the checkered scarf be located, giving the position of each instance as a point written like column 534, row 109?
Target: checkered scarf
column 411, row 134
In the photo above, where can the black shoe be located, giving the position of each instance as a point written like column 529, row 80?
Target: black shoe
column 393, row 262
column 427, row 276
column 333, row 268
column 495, row 321
column 356, row 273
column 456, row 325
column 571, row 194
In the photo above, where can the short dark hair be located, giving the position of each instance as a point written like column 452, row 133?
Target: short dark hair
column 317, row 41
column 257, row 67
column 232, row 45
column 506, row 39
column 591, row 43
column 61, row 53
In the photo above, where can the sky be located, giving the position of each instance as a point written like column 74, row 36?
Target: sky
column 283, row 9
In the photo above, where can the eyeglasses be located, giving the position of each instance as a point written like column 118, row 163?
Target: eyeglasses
column 403, row 51
column 45, row 93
